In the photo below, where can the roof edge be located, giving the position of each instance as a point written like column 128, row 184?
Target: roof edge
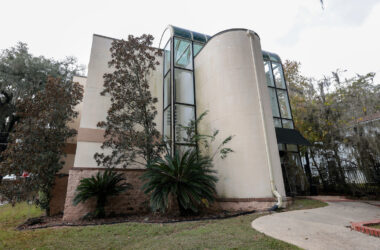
column 111, row 38
column 225, row 31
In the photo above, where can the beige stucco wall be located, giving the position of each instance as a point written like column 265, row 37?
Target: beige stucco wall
column 75, row 123
column 69, row 163
column 70, row 156
column 95, row 106
column 226, row 80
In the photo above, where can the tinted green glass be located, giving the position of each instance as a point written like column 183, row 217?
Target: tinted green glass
column 268, row 73
column 199, row 37
column 287, row 123
column 284, row 104
column 273, row 101
column 271, row 56
column 183, row 56
column 184, row 87
column 183, row 116
column 265, row 56
column 277, row 123
column 181, row 32
column 197, row 48
column 278, row 75
column 274, row 57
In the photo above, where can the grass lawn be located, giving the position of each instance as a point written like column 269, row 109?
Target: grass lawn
column 227, row 233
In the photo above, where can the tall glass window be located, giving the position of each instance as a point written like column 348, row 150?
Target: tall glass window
column 183, row 56
column 283, row 101
column 274, row 104
column 183, row 116
column 278, row 93
column 178, row 86
column 268, row 73
column 278, row 75
column 282, row 116
column 184, row 87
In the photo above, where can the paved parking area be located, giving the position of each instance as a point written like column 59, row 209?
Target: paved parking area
column 322, row 228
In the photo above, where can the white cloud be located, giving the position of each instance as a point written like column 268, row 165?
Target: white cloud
column 322, row 49
column 344, row 35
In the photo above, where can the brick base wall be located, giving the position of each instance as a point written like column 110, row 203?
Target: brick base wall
column 134, row 201
column 58, row 195
column 130, row 202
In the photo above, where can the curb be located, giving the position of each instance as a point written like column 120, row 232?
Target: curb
column 363, row 227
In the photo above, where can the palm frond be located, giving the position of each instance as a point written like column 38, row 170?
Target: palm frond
column 102, row 185
column 188, row 177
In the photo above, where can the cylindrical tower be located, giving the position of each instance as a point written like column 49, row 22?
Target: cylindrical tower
column 230, row 84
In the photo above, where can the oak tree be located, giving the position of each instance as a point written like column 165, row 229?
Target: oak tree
column 37, row 143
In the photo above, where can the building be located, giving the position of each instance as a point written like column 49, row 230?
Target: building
column 242, row 88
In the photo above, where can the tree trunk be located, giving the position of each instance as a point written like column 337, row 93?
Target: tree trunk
column 100, row 207
column 324, row 184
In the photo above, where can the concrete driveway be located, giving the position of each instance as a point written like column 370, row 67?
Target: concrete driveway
column 322, row 228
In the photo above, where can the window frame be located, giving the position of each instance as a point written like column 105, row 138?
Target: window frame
column 282, row 89
column 173, row 100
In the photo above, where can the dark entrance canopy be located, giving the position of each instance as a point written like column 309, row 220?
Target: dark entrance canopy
column 290, row 136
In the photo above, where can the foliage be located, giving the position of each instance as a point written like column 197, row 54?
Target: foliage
column 15, row 191
column 23, row 75
column 331, row 114
column 101, row 186
column 187, row 177
column 205, row 141
column 37, row 143
column 130, row 130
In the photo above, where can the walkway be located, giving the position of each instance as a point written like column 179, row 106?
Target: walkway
column 322, row 228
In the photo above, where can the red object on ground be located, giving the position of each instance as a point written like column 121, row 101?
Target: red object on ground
column 363, row 227
column 25, row 174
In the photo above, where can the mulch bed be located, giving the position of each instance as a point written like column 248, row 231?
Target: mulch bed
column 56, row 221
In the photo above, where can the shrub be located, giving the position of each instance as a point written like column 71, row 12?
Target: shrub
column 188, row 177
column 101, row 186
column 15, row 191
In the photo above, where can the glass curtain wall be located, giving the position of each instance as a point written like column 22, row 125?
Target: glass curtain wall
column 278, row 92
column 282, row 117
column 179, row 86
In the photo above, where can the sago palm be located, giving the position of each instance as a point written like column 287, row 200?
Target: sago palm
column 188, row 177
column 101, row 186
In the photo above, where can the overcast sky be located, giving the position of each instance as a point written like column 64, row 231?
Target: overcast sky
column 345, row 35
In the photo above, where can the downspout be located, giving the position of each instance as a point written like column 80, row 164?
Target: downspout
column 251, row 35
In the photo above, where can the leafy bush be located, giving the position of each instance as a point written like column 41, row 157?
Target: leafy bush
column 101, row 186
column 15, row 191
column 204, row 141
column 187, row 177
